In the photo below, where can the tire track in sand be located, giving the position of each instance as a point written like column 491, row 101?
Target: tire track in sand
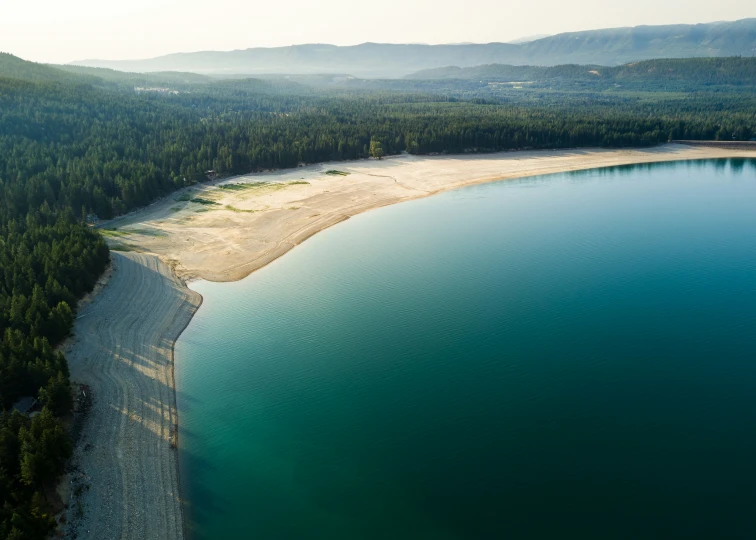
column 123, row 349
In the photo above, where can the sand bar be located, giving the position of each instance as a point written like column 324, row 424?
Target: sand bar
column 226, row 234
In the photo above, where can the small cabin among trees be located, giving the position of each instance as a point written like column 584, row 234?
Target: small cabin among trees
column 25, row 405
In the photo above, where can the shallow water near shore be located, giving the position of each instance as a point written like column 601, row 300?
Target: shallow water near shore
column 566, row 356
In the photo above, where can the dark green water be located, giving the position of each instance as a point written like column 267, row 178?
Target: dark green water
column 571, row 356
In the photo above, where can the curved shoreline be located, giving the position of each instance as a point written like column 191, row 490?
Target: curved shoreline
column 234, row 232
column 156, row 241
column 123, row 350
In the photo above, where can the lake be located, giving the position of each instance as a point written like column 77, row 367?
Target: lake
column 566, row 356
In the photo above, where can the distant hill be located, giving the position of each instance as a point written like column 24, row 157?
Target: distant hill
column 137, row 79
column 528, row 39
column 366, row 60
column 729, row 74
column 608, row 47
column 696, row 72
column 623, row 45
column 15, row 68
column 166, row 83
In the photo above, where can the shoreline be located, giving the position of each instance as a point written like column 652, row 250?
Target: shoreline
column 286, row 230
column 177, row 449
column 233, row 232
column 123, row 349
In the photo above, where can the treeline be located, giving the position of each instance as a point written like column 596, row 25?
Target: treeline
column 107, row 152
column 654, row 75
column 734, row 71
column 48, row 259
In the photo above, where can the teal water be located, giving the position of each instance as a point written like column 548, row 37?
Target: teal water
column 568, row 356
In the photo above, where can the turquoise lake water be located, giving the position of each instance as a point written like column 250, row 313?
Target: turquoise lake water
column 567, row 356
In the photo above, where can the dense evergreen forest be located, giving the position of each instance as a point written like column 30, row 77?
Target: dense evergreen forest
column 111, row 149
column 82, row 141
column 695, row 74
column 48, row 259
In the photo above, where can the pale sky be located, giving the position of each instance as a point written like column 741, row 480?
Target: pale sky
column 65, row 30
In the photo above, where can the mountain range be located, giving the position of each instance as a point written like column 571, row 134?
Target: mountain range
column 607, row 47
column 727, row 74
column 700, row 72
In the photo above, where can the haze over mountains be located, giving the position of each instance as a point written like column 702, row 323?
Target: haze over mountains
column 606, row 47
column 488, row 82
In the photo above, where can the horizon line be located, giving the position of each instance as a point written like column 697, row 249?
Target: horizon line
column 457, row 44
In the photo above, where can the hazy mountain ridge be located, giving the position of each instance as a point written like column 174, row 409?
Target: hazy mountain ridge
column 731, row 74
column 737, row 71
column 170, row 82
column 14, row 67
column 488, row 82
column 528, row 39
column 606, row 47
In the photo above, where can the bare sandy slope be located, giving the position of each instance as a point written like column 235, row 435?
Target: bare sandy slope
column 123, row 349
column 241, row 229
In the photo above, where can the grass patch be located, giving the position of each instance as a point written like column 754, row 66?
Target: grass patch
column 200, row 200
column 234, row 209
column 175, row 209
column 113, row 233
column 122, row 247
column 253, row 185
column 242, row 187
column 334, row 172
column 184, row 197
column 148, row 232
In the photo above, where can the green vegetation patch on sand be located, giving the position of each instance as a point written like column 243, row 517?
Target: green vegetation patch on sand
column 113, row 233
column 253, row 185
column 244, row 186
column 206, row 202
column 334, row 172
column 234, row 209
column 122, row 247
column 148, row 232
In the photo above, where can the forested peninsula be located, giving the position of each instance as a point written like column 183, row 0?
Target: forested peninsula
column 81, row 144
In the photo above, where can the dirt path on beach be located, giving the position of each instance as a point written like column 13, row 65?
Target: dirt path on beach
column 123, row 349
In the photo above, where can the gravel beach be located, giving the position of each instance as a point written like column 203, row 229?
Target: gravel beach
column 123, row 349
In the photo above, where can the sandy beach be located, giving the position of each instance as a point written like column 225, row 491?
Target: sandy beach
column 226, row 234
column 123, row 349
column 123, row 344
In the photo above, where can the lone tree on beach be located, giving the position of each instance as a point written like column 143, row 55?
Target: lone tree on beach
column 376, row 149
